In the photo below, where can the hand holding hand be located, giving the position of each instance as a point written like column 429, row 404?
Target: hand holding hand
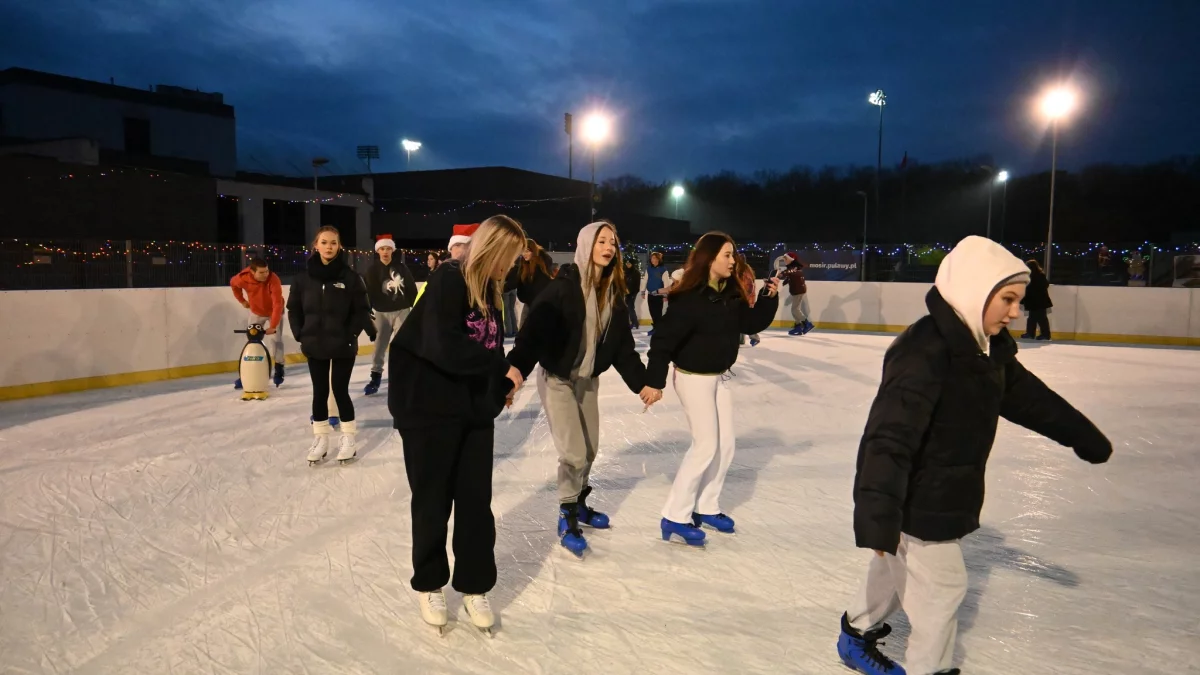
column 515, row 376
column 650, row 396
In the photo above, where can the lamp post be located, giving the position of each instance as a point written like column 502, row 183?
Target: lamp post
column 1056, row 104
column 409, row 148
column 596, row 128
column 880, row 99
column 1003, row 178
column 677, row 193
column 993, row 178
column 863, row 263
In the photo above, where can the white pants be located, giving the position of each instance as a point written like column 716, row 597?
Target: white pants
column 386, row 323
column 929, row 580
column 276, row 340
column 708, row 404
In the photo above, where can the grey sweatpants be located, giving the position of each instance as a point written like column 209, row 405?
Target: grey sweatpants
column 573, row 411
column 386, row 323
column 800, row 308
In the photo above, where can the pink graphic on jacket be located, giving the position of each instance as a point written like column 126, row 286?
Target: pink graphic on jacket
column 483, row 330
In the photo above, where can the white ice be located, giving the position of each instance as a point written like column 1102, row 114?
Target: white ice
column 171, row 528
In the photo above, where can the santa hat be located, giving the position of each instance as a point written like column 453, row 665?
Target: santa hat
column 462, row 234
column 792, row 255
column 384, row 240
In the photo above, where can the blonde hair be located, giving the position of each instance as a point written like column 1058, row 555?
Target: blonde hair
column 498, row 241
column 331, row 229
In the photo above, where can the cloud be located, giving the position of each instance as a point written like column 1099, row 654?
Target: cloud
column 694, row 85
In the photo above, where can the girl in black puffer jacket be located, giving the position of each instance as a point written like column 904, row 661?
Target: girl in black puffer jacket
column 919, row 485
column 707, row 311
column 327, row 309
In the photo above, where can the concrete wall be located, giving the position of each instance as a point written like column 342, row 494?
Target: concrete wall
column 58, row 341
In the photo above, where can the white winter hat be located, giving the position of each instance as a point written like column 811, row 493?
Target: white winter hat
column 384, row 242
column 969, row 274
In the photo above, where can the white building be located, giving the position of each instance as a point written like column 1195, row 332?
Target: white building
column 165, row 121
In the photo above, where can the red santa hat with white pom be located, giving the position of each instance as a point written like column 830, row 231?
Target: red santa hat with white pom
column 462, row 234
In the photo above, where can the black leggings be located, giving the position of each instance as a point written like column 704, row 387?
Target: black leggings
column 655, row 304
column 1039, row 320
column 338, row 370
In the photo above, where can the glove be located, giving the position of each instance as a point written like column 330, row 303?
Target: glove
column 372, row 336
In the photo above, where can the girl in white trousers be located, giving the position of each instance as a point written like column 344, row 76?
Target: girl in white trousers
column 708, row 308
column 708, row 404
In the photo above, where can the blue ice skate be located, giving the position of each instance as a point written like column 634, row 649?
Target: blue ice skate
column 719, row 522
column 689, row 533
column 754, row 341
column 570, row 536
column 797, row 329
column 237, row 384
column 808, row 326
column 589, row 516
column 373, row 386
column 859, row 651
column 278, row 374
column 333, row 421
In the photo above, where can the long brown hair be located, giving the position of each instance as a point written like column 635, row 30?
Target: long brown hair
column 700, row 260
column 612, row 277
column 529, row 267
column 1034, row 266
column 497, row 242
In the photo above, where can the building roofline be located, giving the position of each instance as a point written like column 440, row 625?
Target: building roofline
column 161, row 99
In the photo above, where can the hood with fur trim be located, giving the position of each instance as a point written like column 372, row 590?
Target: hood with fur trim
column 968, row 275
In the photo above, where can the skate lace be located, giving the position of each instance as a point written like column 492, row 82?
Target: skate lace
column 480, row 603
column 871, row 649
column 437, row 601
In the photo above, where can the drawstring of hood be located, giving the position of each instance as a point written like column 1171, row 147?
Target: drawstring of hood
column 970, row 273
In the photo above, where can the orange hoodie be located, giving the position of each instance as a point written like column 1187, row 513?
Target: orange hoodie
column 265, row 298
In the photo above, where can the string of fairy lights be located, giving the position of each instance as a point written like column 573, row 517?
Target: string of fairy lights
column 190, row 252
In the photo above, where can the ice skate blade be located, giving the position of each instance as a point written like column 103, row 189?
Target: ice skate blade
column 348, row 460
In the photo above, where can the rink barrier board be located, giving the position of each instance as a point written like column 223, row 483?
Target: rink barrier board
column 35, row 389
column 110, row 319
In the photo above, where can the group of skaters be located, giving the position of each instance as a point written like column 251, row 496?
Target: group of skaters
column 919, row 482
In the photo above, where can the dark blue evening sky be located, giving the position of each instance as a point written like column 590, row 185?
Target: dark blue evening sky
column 696, row 86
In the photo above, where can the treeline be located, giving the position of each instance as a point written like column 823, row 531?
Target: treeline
column 927, row 202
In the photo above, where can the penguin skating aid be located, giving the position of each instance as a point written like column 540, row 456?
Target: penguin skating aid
column 254, row 364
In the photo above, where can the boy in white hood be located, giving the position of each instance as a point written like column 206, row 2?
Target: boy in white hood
column 919, row 484
column 576, row 329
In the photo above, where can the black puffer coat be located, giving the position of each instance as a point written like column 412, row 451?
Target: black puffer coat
column 552, row 335
column 327, row 308
column 922, row 457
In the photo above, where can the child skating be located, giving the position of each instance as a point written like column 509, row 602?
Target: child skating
column 259, row 290
column 920, row 474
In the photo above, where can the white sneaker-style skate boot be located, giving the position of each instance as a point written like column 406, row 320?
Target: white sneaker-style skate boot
column 320, row 444
column 346, row 451
column 481, row 613
column 433, row 610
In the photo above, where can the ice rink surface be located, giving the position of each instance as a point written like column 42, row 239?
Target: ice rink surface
column 171, row 528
